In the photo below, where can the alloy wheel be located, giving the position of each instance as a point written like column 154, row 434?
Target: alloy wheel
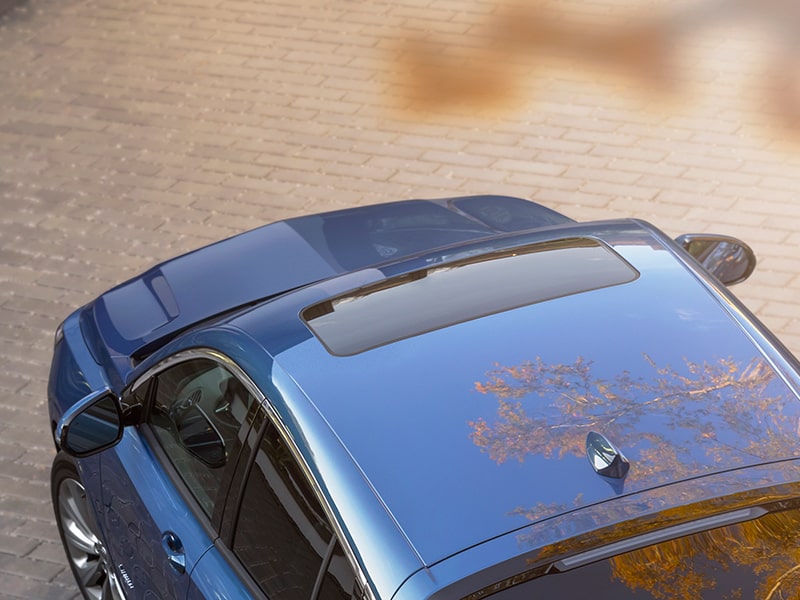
column 85, row 551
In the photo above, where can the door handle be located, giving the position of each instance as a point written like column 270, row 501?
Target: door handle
column 173, row 547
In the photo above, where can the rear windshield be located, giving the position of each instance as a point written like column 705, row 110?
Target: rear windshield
column 757, row 558
column 471, row 288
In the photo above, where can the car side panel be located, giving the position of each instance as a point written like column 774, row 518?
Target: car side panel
column 74, row 374
column 141, row 505
column 214, row 578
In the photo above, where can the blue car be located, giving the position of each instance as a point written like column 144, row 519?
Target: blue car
column 447, row 399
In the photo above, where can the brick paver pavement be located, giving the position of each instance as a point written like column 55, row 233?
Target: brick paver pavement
column 132, row 130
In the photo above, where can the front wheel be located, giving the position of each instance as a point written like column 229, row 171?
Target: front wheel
column 86, row 553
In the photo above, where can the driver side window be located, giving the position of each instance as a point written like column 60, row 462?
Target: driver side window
column 198, row 416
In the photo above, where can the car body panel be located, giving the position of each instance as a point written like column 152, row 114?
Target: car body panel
column 74, row 374
column 190, row 288
column 449, row 459
column 502, row 562
column 367, row 526
column 137, row 316
column 141, row 504
column 124, row 497
column 214, row 578
column 74, row 371
column 685, row 400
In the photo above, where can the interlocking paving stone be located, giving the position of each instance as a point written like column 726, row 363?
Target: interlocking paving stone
column 132, row 130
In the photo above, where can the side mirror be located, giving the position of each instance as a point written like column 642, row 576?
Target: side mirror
column 91, row 425
column 727, row 258
column 200, row 437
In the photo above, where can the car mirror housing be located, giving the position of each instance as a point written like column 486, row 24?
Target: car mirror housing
column 91, row 425
column 727, row 258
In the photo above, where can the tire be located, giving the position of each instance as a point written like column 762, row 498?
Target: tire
column 77, row 526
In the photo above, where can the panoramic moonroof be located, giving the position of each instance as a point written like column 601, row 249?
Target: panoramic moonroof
column 441, row 296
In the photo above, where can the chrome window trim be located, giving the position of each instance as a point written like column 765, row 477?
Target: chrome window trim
column 283, row 431
column 195, row 353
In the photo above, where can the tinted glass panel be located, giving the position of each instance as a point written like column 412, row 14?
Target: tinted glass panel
column 385, row 232
column 438, row 297
column 282, row 534
column 339, row 582
column 754, row 559
column 509, row 214
column 197, row 416
column 96, row 427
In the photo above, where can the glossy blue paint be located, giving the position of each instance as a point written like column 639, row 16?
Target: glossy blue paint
column 213, row 577
column 457, row 450
column 380, row 547
column 140, row 505
column 600, row 524
column 195, row 286
column 74, row 373
column 441, row 450
column 136, row 317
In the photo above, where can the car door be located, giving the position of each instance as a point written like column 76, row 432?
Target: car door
column 165, row 484
column 276, row 536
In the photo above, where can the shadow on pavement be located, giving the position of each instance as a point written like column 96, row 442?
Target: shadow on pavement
column 7, row 7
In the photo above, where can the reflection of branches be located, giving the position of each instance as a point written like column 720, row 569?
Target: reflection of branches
column 683, row 568
column 723, row 410
column 780, row 581
column 540, row 510
column 547, row 409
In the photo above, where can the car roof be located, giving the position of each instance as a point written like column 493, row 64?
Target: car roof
column 476, row 426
